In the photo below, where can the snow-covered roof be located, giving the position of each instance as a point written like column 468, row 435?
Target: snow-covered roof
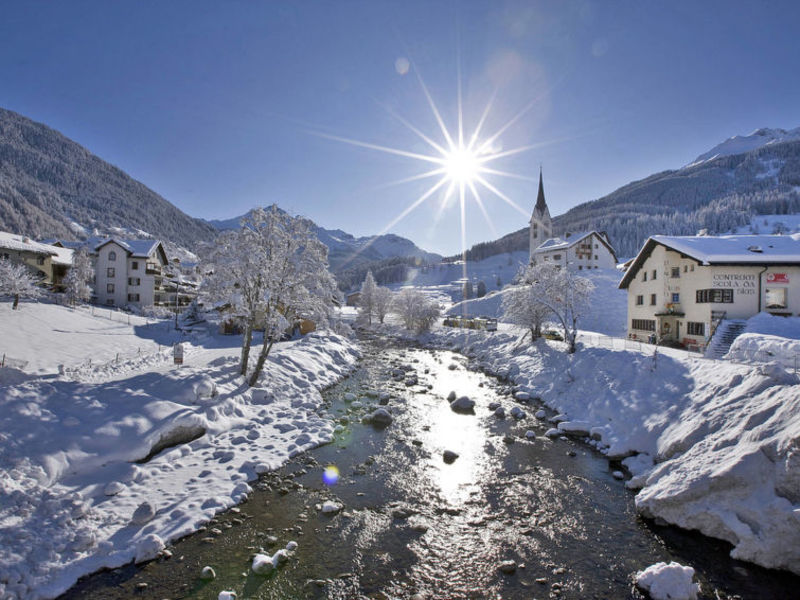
column 13, row 241
column 723, row 250
column 138, row 248
column 557, row 243
column 63, row 255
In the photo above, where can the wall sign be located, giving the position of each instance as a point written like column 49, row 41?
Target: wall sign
column 777, row 278
column 743, row 283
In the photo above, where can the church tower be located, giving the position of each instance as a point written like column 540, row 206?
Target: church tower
column 541, row 227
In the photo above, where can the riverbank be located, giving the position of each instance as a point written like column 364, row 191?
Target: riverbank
column 74, row 500
column 712, row 446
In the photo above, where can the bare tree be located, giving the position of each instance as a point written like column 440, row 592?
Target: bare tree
column 416, row 310
column 382, row 302
column 366, row 300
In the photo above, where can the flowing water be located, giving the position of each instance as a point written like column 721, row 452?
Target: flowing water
column 413, row 524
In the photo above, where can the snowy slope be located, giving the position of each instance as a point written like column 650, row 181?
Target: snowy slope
column 73, row 502
column 769, row 224
column 739, row 144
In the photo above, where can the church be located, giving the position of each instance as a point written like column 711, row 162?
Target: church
column 574, row 251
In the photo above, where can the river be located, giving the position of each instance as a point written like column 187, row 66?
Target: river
column 415, row 526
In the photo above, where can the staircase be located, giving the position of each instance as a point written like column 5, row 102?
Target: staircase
column 727, row 331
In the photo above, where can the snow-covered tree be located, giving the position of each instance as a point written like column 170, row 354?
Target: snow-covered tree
column 17, row 281
column 366, row 301
column 529, row 303
column 272, row 271
column 481, row 289
column 546, row 290
column 76, row 282
column 416, row 310
column 382, row 302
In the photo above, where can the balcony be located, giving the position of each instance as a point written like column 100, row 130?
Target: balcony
column 671, row 309
column 152, row 269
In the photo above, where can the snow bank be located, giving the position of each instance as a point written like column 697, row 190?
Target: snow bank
column 725, row 437
column 671, row 581
column 768, row 339
column 73, row 502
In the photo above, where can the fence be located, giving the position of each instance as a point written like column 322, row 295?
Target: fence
column 162, row 354
column 13, row 363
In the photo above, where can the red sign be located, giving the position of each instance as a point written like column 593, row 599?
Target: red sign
column 777, row 278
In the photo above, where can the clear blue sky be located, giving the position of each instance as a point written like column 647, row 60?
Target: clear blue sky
column 212, row 104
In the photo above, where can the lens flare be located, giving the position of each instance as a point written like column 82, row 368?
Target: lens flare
column 330, row 476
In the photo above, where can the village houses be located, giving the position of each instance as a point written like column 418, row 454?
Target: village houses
column 681, row 287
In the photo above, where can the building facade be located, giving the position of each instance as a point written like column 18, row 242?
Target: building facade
column 577, row 252
column 47, row 263
column 681, row 287
column 130, row 272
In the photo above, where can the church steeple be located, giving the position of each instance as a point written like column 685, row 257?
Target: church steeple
column 541, row 205
column 541, row 227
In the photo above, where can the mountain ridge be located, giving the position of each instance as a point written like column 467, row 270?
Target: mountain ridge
column 51, row 186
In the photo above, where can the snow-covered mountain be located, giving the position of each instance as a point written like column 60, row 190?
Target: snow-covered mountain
column 740, row 144
column 345, row 250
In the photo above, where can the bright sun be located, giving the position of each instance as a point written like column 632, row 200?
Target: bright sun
column 461, row 166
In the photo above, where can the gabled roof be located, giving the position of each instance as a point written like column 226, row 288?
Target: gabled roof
column 136, row 248
column 63, row 256
column 21, row 243
column 722, row 250
column 558, row 243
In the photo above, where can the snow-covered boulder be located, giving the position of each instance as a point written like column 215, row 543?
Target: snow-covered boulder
column 522, row 396
column 575, row 428
column 226, row 595
column 329, row 507
column 449, row 456
column 500, row 412
column 113, row 488
column 144, row 513
column 207, row 574
column 148, row 547
column 671, row 581
column 518, row 413
column 463, row 405
column 262, row 564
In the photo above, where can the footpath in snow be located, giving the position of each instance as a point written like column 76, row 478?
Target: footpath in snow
column 95, row 474
column 713, row 446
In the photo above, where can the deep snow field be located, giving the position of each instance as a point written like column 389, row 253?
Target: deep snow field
column 73, row 498
column 713, row 446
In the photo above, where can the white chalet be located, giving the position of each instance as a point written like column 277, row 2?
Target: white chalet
column 681, row 287
column 129, row 272
column 576, row 251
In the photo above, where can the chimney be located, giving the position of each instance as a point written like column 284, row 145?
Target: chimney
column 566, row 235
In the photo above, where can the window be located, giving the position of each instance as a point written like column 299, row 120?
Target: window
column 654, row 274
column 110, row 272
column 6, row 256
column 643, row 324
column 639, row 300
column 135, row 265
column 776, row 298
column 691, row 268
column 675, row 272
column 110, row 302
column 595, row 256
column 556, row 257
column 693, row 328
column 133, row 297
column 40, row 260
column 644, row 276
column 580, row 267
column 685, row 268
column 652, row 299
column 595, row 248
column 676, row 298
column 714, row 295
column 110, row 288
column 134, row 281
column 112, row 255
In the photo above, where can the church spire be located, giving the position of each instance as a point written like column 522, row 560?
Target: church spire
column 541, row 205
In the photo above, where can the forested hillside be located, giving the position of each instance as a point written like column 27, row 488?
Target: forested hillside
column 52, row 187
column 718, row 194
